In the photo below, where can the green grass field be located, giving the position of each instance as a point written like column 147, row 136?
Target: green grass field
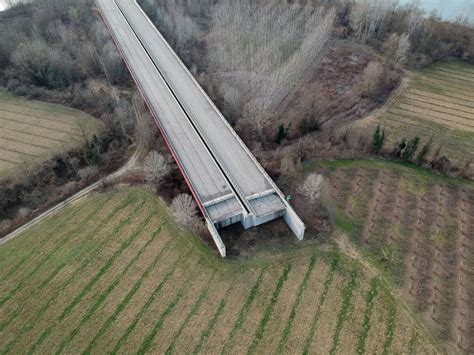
column 438, row 102
column 417, row 228
column 31, row 131
column 113, row 274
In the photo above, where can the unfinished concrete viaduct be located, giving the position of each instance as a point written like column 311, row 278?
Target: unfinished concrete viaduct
column 227, row 182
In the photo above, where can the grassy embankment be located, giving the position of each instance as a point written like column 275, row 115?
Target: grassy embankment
column 112, row 273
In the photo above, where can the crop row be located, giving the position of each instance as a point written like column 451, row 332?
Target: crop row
column 46, row 258
column 462, row 74
column 445, row 99
column 455, row 79
column 40, row 121
column 53, row 128
column 369, row 307
column 450, row 87
column 346, row 306
column 430, row 116
column 85, row 290
column 25, row 116
column 444, row 105
column 31, row 153
column 33, row 132
column 133, row 324
column 105, row 294
column 28, row 326
column 322, row 298
column 299, row 295
column 150, row 337
column 64, row 220
column 414, row 104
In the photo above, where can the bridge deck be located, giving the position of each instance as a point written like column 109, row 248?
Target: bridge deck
column 241, row 168
column 227, row 181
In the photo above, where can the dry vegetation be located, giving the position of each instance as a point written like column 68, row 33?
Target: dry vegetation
column 114, row 274
column 418, row 228
column 261, row 50
column 32, row 131
column 293, row 83
column 58, row 51
column 437, row 104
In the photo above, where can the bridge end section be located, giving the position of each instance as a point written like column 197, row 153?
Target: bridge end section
column 216, row 237
column 295, row 223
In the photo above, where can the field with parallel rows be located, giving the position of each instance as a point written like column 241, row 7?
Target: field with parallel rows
column 113, row 274
column 438, row 102
column 419, row 228
column 30, row 131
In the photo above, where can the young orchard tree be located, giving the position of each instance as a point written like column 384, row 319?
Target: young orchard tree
column 156, row 168
column 184, row 210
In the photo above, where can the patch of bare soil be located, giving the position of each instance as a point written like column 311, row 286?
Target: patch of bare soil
column 357, row 184
column 378, row 206
column 329, row 93
column 274, row 235
column 463, row 321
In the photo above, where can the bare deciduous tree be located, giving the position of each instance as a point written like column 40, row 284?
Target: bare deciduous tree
column 260, row 49
column 184, row 210
column 23, row 212
column 87, row 173
column 42, row 64
column 415, row 18
column 124, row 117
column 403, row 48
column 371, row 79
column 287, row 167
column 390, row 47
column 367, row 17
column 396, row 48
column 176, row 20
column 113, row 64
column 12, row 3
column 312, row 187
column 156, row 168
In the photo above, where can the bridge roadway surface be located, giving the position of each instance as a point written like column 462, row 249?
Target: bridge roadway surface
column 225, row 178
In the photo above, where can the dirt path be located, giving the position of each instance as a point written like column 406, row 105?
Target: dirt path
column 350, row 250
column 129, row 165
column 372, row 117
